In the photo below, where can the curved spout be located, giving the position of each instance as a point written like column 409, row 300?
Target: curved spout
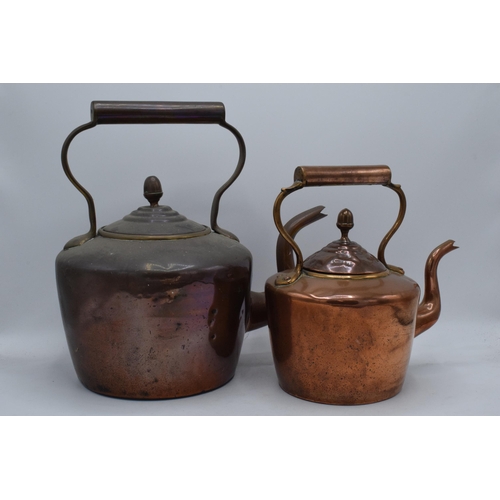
column 430, row 307
column 284, row 254
column 284, row 258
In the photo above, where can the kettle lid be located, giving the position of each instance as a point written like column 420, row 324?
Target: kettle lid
column 155, row 221
column 344, row 256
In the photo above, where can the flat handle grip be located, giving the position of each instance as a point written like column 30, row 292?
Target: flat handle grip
column 136, row 112
column 343, row 176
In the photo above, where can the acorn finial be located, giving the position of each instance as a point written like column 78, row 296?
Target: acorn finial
column 152, row 190
column 345, row 222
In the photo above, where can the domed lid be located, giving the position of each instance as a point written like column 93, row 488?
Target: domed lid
column 344, row 256
column 155, row 221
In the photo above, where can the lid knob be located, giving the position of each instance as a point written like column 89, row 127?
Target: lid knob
column 152, row 190
column 345, row 222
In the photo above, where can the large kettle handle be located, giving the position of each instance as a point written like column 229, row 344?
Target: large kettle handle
column 337, row 176
column 138, row 112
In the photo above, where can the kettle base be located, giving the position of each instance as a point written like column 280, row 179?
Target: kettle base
column 351, row 400
column 146, row 396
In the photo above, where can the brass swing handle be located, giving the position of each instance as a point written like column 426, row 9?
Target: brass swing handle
column 337, row 176
column 151, row 112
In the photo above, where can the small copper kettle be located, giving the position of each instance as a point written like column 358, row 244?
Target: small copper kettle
column 342, row 322
column 155, row 305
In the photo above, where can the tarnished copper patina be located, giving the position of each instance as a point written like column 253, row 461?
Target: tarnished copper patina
column 155, row 305
column 342, row 322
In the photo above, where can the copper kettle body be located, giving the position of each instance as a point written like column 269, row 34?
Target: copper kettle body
column 342, row 322
column 155, row 306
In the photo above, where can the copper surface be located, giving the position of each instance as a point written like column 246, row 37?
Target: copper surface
column 430, row 306
column 343, row 176
column 342, row 342
column 144, row 112
column 155, row 306
column 343, row 256
column 342, row 338
column 154, row 222
column 151, row 328
column 336, row 176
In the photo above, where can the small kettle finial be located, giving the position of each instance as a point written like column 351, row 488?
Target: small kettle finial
column 345, row 222
column 152, row 190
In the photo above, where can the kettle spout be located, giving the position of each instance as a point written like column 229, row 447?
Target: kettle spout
column 430, row 307
column 284, row 253
column 284, row 259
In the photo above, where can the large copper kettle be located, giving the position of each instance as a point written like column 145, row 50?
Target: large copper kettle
column 155, row 305
column 342, row 322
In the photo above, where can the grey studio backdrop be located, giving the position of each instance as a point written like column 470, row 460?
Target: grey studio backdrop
column 442, row 143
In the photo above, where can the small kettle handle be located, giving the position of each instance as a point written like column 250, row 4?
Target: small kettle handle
column 337, row 176
column 150, row 112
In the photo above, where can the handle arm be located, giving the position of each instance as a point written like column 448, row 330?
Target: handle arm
column 151, row 112
column 336, row 176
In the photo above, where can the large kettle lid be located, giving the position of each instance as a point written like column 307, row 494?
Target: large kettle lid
column 343, row 256
column 154, row 222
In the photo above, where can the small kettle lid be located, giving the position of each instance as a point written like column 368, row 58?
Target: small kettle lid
column 344, row 256
column 154, row 222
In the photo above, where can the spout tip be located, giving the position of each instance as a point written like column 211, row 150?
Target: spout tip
column 294, row 225
column 447, row 246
